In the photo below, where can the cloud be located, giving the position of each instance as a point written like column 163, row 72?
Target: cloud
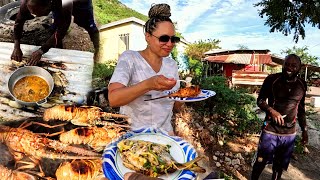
column 233, row 22
column 183, row 12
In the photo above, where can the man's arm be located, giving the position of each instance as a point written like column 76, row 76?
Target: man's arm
column 19, row 22
column 21, row 18
column 62, row 18
column 264, row 93
column 302, row 117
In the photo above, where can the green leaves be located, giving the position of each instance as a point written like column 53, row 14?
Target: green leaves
column 196, row 50
column 102, row 72
column 306, row 58
column 106, row 11
column 233, row 106
column 302, row 52
column 290, row 15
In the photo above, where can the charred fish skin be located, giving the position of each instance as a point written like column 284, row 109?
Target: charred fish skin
column 152, row 159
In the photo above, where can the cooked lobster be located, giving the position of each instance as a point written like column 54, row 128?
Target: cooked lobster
column 95, row 137
column 24, row 143
column 191, row 91
column 80, row 170
column 81, row 116
column 9, row 174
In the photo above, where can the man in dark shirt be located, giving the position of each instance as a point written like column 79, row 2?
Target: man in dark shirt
column 286, row 103
column 62, row 10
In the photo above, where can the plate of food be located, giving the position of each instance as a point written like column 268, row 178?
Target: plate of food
column 187, row 94
column 203, row 95
column 151, row 152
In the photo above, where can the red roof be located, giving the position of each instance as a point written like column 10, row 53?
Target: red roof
column 241, row 58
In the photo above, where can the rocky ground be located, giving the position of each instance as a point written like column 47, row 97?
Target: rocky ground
column 38, row 30
column 234, row 157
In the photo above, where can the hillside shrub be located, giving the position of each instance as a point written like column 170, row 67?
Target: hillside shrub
column 102, row 73
column 232, row 107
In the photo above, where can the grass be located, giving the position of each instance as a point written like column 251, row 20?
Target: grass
column 102, row 73
column 106, row 11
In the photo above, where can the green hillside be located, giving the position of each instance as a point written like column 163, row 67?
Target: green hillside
column 107, row 11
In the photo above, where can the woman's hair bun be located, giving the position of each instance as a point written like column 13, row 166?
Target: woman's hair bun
column 159, row 10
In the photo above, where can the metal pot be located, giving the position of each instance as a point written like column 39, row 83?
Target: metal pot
column 30, row 71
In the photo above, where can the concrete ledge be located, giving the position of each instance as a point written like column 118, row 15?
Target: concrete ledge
column 313, row 91
column 315, row 101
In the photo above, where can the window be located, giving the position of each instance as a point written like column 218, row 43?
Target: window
column 125, row 39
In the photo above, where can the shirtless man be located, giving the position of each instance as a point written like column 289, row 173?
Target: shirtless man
column 62, row 10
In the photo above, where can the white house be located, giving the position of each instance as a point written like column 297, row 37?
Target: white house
column 118, row 36
column 125, row 34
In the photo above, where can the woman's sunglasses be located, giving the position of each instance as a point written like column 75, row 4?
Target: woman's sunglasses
column 166, row 38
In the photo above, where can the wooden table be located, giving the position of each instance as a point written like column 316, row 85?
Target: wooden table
column 71, row 71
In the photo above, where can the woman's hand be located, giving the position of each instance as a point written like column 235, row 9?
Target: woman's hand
column 138, row 176
column 160, row 82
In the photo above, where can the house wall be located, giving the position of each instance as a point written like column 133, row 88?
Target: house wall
column 253, row 67
column 111, row 44
column 228, row 68
column 137, row 39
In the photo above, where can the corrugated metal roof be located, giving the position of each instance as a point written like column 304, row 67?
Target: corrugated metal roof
column 212, row 51
column 241, row 58
column 253, row 59
column 238, row 51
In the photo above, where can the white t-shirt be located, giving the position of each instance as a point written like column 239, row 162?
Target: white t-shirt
column 131, row 69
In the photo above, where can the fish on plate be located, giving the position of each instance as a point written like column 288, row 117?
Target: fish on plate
column 152, row 159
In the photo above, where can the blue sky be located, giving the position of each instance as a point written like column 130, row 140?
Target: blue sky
column 233, row 22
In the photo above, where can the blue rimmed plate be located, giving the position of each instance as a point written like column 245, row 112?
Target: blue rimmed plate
column 180, row 150
column 205, row 94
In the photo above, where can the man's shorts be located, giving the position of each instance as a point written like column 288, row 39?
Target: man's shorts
column 83, row 14
column 275, row 149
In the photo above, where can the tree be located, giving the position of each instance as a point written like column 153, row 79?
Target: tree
column 287, row 15
column 306, row 58
column 195, row 53
column 242, row 47
column 196, row 50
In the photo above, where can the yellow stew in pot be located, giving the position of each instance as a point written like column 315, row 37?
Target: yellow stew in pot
column 31, row 89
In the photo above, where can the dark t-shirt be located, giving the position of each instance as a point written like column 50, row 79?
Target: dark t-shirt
column 288, row 98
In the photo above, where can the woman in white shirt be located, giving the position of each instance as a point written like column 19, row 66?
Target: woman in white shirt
column 141, row 75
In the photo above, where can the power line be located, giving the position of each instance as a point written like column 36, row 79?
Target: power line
column 315, row 45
